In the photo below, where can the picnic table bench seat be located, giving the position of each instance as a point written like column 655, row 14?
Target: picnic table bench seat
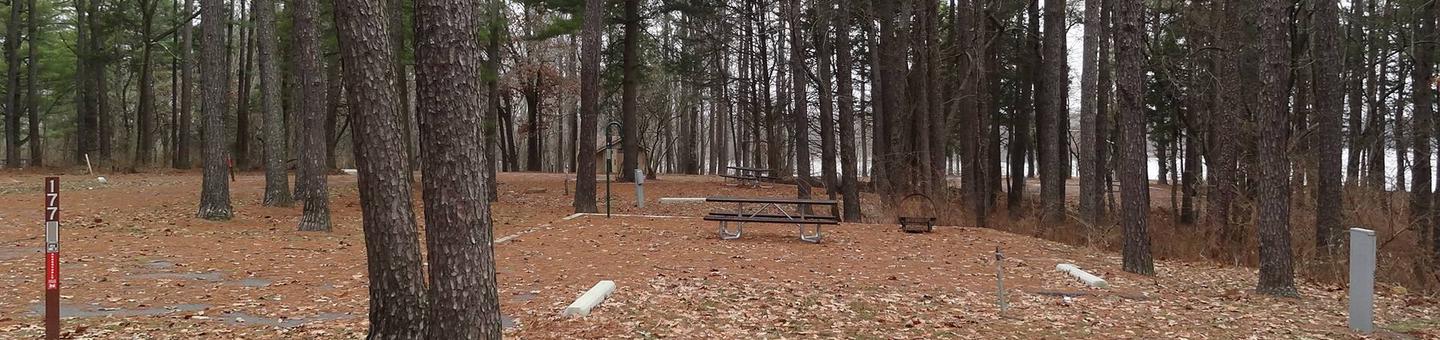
column 717, row 215
column 764, row 215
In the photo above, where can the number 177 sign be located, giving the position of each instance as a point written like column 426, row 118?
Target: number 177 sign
column 52, row 257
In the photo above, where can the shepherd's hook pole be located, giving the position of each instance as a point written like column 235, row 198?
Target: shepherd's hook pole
column 609, row 162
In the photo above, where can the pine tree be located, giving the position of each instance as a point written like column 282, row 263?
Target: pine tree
column 1328, row 101
column 311, row 186
column 1052, row 186
column 1134, row 184
column 392, row 245
column 463, row 300
column 215, row 191
column 589, row 107
column 277, row 179
column 1276, row 272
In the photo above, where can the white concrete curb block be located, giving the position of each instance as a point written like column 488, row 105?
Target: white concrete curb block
column 1087, row 278
column 573, row 216
column 590, row 299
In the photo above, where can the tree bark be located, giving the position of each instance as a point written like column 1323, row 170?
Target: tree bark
column 215, row 189
column 464, row 302
column 1375, row 124
column 1030, row 98
column 277, row 179
column 629, row 125
column 492, row 105
column 1422, row 97
column 850, row 183
column 1328, row 112
column 187, row 87
column 99, row 85
column 823, row 53
column 32, row 99
column 800, row 119
column 242, row 99
column 1276, row 272
column 397, row 296
column 1230, row 106
column 1135, row 187
column 334, row 96
column 1354, row 44
column 145, row 118
column 314, row 106
column 402, row 83
column 1052, row 184
column 1091, row 183
column 589, row 106
column 86, row 124
column 12, row 95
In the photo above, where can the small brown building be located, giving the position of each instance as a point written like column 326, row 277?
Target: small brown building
column 617, row 164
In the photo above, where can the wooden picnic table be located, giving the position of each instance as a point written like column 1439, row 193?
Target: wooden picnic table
column 741, row 168
column 772, row 211
column 749, row 176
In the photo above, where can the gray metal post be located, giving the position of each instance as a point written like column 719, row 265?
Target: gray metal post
column 1362, row 280
column 1000, row 280
column 639, row 188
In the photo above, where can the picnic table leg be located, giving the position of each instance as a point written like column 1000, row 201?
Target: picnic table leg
column 725, row 233
column 813, row 238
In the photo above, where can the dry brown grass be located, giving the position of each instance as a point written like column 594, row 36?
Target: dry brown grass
column 1403, row 262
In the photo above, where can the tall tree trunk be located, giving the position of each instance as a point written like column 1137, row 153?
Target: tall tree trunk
column 314, row 115
column 1135, row 187
column 215, row 189
column 145, row 119
column 1105, row 126
column 1354, row 44
column 1276, row 272
column 1052, row 184
column 1029, row 96
column 168, row 144
column 392, row 245
column 32, row 99
column 464, row 302
column 850, row 184
column 277, row 179
column 1328, row 112
column 402, row 83
column 1422, row 97
column 1091, row 183
column 823, row 52
column 334, row 95
column 800, row 119
column 492, row 89
column 99, row 85
column 1375, row 126
column 187, row 87
column 774, row 146
column 1204, row 109
column 242, row 100
column 629, row 125
column 12, row 93
column 589, row 106
column 86, row 124
column 938, row 119
column 1230, row 107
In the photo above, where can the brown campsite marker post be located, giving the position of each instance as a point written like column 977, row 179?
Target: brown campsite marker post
column 52, row 258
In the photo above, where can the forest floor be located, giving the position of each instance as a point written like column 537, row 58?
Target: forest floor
column 137, row 264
